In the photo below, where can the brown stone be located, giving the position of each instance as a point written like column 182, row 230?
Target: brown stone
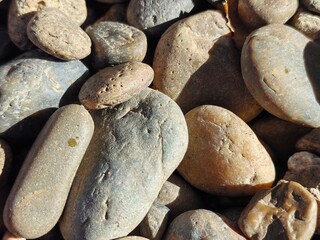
column 310, row 142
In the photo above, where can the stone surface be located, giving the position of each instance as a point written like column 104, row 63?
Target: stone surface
column 114, row 85
column 287, row 211
column 40, row 191
column 307, row 23
column 41, row 82
column 200, row 224
column 257, row 13
column 136, row 146
column 310, row 142
column 21, row 11
column 195, row 65
column 280, row 67
column 55, row 33
column 224, row 155
column 312, row 5
column 116, row 43
column 5, row 162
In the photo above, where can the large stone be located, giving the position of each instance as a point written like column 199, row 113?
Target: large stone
column 135, row 148
column 280, row 67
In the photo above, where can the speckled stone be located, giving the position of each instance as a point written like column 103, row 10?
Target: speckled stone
column 312, row 5
column 280, row 67
column 307, row 23
column 41, row 82
column 310, row 142
column 116, row 43
column 136, row 146
column 55, row 33
column 5, row 162
column 40, row 191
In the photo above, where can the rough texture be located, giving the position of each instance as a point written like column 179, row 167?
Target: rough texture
column 135, row 148
column 312, row 5
column 21, row 11
column 55, row 33
column 5, row 162
column 310, row 142
column 280, row 67
column 40, row 191
column 114, row 85
column 40, row 80
column 307, row 23
column 200, row 224
column 116, row 43
column 287, row 211
column 224, row 156
column 195, row 65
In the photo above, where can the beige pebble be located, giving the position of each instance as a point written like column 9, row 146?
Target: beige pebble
column 307, row 23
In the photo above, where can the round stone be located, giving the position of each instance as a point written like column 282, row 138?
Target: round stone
column 307, row 23
column 312, row 5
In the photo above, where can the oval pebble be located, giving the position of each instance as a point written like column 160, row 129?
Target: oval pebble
column 307, row 23
column 56, row 34
column 40, row 191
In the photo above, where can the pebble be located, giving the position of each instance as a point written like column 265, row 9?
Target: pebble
column 224, row 155
column 5, row 162
column 280, row 68
column 310, row 142
column 136, row 146
column 114, row 85
column 195, row 65
column 56, row 34
column 287, row 211
column 200, row 224
column 21, row 11
column 307, row 23
column 40, row 191
column 312, row 5
column 116, row 43
column 257, row 13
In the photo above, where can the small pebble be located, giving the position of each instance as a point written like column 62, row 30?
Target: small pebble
column 5, row 162
column 312, row 5
column 307, row 23
column 310, row 142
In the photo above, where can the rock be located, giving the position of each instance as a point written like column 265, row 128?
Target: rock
column 279, row 66
column 312, row 5
column 55, row 33
column 21, row 11
column 310, row 142
column 10, row 236
column 116, row 43
column 224, row 156
column 195, row 65
column 40, row 191
column 287, row 211
column 41, row 82
column 5, row 162
column 255, row 13
column 307, row 23
column 200, row 224
column 116, row 13
column 114, row 85
column 136, row 146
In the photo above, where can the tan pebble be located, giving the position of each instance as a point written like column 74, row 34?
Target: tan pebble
column 307, row 23
column 5, row 162
column 10, row 236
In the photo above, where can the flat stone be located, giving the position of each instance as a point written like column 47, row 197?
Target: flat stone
column 136, row 146
column 40, row 191
column 116, row 43
column 5, row 162
column 280, row 67
column 41, row 82
column 224, row 156
column 197, row 64
column 114, row 85
column 55, row 33
column 200, row 224
column 287, row 211
column 310, row 141
column 312, row 5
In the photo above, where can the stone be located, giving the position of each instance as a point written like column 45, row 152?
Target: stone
column 116, row 43
column 312, row 5
column 56, row 34
column 287, row 211
column 307, row 23
column 41, row 81
column 136, row 146
column 21, row 11
column 257, row 13
column 200, row 224
column 155, row 16
column 10, row 236
column 5, row 162
column 114, row 85
column 224, row 156
column 310, row 141
column 197, row 64
column 40, row 191
column 116, row 13
column 280, row 68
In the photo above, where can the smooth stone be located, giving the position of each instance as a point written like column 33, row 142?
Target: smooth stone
column 307, row 23
column 116, row 43
column 114, row 85
column 200, row 224
column 195, row 65
column 257, row 13
column 287, row 211
column 5, row 162
column 310, row 142
column 41, row 81
column 312, row 5
column 280, row 67
column 9, row 236
column 21, row 11
column 136, row 146
column 56, row 34
column 40, row 191
column 116, row 13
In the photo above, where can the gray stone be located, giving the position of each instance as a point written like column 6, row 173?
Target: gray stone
column 5, row 162
column 40, row 191
column 136, row 146
column 41, row 82
column 312, row 5
column 307, row 23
